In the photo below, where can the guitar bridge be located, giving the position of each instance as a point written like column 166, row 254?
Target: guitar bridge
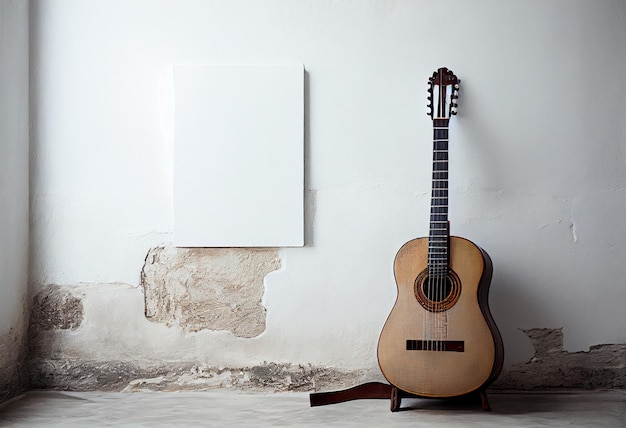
column 435, row 345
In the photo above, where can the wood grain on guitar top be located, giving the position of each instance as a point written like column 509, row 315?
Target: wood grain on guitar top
column 433, row 373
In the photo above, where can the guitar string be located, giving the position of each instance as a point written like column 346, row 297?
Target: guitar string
column 441, row 192
column 435, row 278
column 425, row 314
column 440, row 273
column 434, row 322
column 437, row 261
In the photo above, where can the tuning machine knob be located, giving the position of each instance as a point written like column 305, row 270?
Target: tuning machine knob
column 430, row 98
column 454, row 105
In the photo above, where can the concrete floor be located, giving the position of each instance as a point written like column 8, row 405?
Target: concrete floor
column 226, row 408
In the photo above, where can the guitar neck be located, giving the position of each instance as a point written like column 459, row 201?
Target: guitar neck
column 438, row 237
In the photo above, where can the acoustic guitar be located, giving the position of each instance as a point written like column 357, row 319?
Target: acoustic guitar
column 440, row 339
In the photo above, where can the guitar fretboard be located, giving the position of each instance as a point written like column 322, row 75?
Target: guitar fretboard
column 438, row 237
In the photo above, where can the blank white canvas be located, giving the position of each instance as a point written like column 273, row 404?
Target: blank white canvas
column 239, row 156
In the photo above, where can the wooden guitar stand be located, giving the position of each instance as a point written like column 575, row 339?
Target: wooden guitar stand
column 385, row 391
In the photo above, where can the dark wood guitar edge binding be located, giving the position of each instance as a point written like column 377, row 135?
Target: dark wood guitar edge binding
column 483, row 303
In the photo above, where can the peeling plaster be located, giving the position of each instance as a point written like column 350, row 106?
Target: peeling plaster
column 133, row 376
column 208, row 288
column 603, row 366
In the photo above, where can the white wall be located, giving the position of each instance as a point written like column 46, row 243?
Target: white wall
column 537, row 154
column 13, row 182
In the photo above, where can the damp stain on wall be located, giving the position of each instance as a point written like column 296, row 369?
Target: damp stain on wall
column 56, row 308
column 13, row 351
column 11, row 368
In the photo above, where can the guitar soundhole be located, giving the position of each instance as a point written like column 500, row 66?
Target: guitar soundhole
column 437, row 289
column 437, row 294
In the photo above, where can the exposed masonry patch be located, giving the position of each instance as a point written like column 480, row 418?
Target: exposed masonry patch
column 80, row 375
column 208, row 288
column 56, row 308
column 603, row 366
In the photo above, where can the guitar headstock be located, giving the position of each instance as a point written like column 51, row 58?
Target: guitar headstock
column 442, row 102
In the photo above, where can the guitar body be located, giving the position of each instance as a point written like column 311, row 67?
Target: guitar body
column 466, row 324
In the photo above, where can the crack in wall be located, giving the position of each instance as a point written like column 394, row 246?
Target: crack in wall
column 572, row 226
